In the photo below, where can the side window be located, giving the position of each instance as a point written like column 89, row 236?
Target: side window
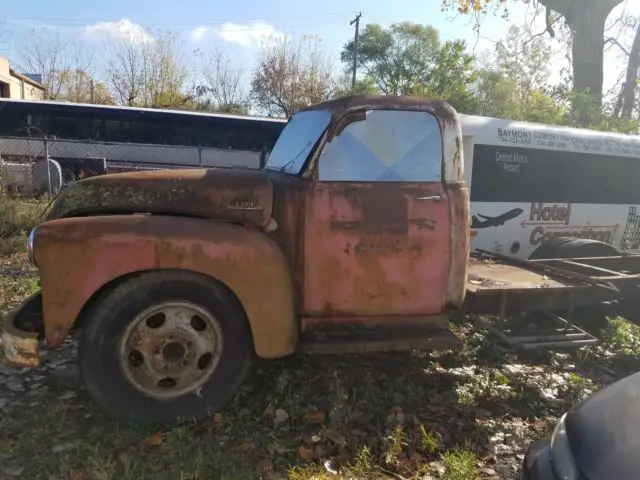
column 387, row 146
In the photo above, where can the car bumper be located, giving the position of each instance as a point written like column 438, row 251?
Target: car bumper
column 537, row 462
column 21, row 329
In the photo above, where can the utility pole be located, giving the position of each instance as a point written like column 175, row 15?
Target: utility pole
column 355, row 49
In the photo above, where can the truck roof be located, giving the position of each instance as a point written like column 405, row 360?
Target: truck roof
column 498, row 131
column 352, row 103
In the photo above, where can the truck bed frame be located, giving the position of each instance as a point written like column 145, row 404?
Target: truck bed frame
column 549, row 291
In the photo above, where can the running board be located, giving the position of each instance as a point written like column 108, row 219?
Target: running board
column 332, row 340
column 565, row 335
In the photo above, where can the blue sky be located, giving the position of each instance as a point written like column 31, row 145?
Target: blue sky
column 239, row 25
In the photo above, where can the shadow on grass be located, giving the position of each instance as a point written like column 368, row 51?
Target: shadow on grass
column 385, row 415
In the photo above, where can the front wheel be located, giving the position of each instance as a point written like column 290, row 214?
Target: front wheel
column 165, row 347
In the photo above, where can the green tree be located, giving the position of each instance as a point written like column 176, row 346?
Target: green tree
column 80, row 87
column 365, row 85
column 515, row 86
column 586, row 20
column 410, row 59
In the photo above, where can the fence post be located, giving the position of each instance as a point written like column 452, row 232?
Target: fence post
column 263, row 157
column 46, row 159
column 200, row 156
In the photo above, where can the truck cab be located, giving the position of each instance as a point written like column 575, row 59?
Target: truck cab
column 179, row 278
column 385, row 222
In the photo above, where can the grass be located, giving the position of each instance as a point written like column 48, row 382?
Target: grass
column 450, row 415
column 18, row 216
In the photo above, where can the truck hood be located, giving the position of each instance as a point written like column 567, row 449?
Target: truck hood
column 226, row 194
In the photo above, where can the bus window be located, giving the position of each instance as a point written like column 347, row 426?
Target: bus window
column 111, row 130
column 11, row 121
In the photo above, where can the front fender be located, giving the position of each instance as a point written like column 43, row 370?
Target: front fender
column 78, row 256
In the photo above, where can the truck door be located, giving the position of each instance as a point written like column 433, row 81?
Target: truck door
column 377, row 225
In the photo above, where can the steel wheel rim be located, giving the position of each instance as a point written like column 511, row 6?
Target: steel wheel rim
column 171, row 349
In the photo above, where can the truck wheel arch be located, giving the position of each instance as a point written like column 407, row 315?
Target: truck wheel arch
column 116, row 248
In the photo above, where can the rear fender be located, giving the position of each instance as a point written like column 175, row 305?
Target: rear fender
column 77, row 257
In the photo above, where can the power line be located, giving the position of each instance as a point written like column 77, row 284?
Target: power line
column 51, row 21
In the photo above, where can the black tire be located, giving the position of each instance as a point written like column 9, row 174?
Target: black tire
column 68, row 177
column 99, row 350
column 567, row 247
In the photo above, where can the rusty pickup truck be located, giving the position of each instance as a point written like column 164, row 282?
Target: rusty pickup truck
column 353, row 237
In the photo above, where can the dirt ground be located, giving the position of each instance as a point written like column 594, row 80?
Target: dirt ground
column 452, row 415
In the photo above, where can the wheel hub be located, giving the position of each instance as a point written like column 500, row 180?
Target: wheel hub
column 171, row 349
column 173, row 352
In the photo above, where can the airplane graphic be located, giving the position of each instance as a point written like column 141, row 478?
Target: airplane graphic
column 483, row 221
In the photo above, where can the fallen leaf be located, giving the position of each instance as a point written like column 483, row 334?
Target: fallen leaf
column 305, row 454
column 281, row 417
column 218, row 418
column 245, row 447
column 269, row 412
column 78, row 475
column 266, row 467
column 328, row 465
column 155, row 440
column 316, row 418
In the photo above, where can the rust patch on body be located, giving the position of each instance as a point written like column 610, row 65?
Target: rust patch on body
column 20, row 333
column 384, row 211
column 243, row 195
column 350, row 104
column 459, row 241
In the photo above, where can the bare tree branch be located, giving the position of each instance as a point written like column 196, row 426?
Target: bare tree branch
column 291, row 75
column 224, row 82
column 617, row 43
column 148, row 73
column 627, row 99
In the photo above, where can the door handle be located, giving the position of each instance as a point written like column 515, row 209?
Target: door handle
column 434, row 198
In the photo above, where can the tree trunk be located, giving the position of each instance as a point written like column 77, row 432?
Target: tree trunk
column 588, row 53
column 586, row 19
column 628, row 94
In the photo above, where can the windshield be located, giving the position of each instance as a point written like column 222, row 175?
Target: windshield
column 296, row 141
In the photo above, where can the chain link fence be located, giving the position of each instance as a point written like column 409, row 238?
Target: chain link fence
column 42, row 166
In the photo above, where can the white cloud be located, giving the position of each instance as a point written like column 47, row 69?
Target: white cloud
column 198, row 33
column 123, row 29
column 250, row 34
